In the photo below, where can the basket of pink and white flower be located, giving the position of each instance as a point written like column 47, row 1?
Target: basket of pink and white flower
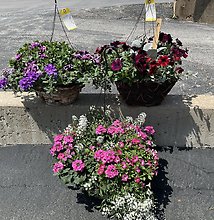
column 109, row 158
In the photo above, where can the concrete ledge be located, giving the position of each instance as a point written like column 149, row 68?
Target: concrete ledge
column 180, row 121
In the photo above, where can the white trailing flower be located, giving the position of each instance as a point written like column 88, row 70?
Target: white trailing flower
column 129, row 119
column 82, row 124
column 100, row 139
column 141, row 118
column 128, row 207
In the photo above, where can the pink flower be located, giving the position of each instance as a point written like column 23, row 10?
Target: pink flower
column 121, row 144
column 135, row 159
column 58, row 137
column 58, row 146
column 101, row 169
column 68, row 139
column 142, row 162
column 137, row 180
column 150, row 143
column 108, row 157
column 149, row 163
column 111, row 171
column 135, row 141
column 100, row 129
column 137, row 169
column 117, row 159
column 119, row 152
column 57, row 167
column 78, row 165
column 124, row 166
column 61, row 156
column 99, row 155
column 149, row 130
column 143, row 135
column 125, row 177
column 117, row 123
column 92, row 148
column 53, row 150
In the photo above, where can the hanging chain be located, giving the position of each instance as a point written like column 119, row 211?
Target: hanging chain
column 56, row 12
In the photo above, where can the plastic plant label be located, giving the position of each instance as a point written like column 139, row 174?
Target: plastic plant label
column 150, row 10
column 67, row 19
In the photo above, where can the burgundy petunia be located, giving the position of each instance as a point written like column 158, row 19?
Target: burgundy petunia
column 163, row 60
column 116, row 65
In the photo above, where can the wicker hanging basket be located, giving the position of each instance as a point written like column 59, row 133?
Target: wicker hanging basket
column 63, row 95
column 144, row 93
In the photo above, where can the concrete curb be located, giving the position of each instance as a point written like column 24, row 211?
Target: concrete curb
column 180, row 121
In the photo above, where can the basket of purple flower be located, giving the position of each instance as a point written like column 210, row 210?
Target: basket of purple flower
column 54, row 70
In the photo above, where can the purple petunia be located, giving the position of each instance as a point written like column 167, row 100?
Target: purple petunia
column 18, row 56
column 50, row 69
column 34, row 45
column 3, row 82
column 28, row 81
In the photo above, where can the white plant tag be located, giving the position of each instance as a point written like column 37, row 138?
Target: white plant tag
column 67, row 19
column 150, row 10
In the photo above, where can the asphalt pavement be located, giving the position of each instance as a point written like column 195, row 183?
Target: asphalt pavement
column 183, row 189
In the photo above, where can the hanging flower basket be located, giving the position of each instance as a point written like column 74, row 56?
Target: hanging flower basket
column 144, row 93
column 63, row 95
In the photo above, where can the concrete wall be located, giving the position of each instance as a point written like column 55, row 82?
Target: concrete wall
column 196, row 10
column 179, row 121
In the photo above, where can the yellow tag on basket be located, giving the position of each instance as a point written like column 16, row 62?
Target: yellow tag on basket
column 67, row 19
column 150, row 10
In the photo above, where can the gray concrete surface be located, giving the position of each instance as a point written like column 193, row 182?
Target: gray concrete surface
column 100, row 26
column 179, row 121
column 28, row 189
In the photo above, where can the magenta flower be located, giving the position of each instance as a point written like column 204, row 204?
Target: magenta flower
column 101, row 169
column 125, row 177
column 116, row 65
column 135, row 159
column 142, row 163
column 135, row 141
column 117, row 159
column 57, row 167
column 137, row 169
column 111, row 171
column 53, row 150
column 121, row 144
column 92, row 148
column 124, row 166
column 58, row 146
column 61, row 156
column 100, row 129
column 137, row 180
column 68, row 139
column 99, row 155
column 143, row 135
column 78, row 165
column 149, row 130
column 58, row 137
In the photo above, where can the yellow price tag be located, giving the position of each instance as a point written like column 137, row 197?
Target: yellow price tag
column 65, row 11
column 67, row 19
column 149, row 1
column 150, row 10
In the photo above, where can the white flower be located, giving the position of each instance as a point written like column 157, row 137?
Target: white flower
column 100, row 139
